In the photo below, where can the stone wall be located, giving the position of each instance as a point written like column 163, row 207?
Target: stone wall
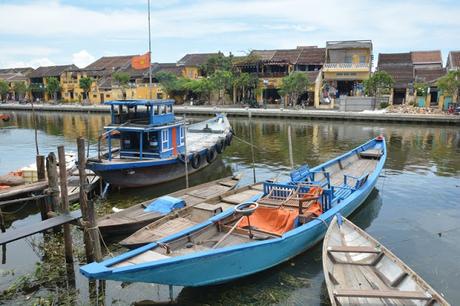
column 356, row 104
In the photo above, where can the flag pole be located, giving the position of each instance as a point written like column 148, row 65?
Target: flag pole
column 150, row 57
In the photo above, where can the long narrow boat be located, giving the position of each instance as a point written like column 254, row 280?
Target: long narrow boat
column 129, row 220
column 360, row 271
column 154, row 145
column 191, row 215
column 286, row 221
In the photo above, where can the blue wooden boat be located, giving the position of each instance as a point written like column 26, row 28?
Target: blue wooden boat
column 223, row 248
column 152, row 143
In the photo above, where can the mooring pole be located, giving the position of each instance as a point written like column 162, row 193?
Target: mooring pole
column 291, row 157
column 91, row 236
column 186, row 153
column 41, row 175
column 252, row 147
column 65, row 204
column 53, row 183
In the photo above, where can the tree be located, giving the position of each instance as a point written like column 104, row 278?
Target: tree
column 170, row 83
column 421, row 89
column 217, row 62
column 53, row 87
column 4, row 89
column 450, row 84
column 222, row 81
column 85, row 84
column 378, row 83
column 20, row 89
column 122, row 78
column 201, row 87
column 245, row 84
column 294, row 85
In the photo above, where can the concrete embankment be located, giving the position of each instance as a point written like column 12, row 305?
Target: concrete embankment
column 271, row 113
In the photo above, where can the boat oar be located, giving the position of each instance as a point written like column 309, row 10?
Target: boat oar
column 228, row 233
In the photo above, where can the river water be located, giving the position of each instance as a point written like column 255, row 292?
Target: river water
column 414, row 209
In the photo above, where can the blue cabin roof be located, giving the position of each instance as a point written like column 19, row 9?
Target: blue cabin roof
column 135, row 102
column 151, row 112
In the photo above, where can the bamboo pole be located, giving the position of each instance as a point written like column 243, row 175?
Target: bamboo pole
column 65, row 204
column 291, row 157
column 91, row 236
column 186, row 153
column 252, row 147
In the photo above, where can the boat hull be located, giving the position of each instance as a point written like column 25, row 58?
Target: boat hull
column 148, row 175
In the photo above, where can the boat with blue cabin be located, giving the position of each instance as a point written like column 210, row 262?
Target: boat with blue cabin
column 154, row 144
column 285, row 220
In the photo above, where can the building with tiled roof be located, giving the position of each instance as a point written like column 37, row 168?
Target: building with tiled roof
column 427, row 59
column 453, row 60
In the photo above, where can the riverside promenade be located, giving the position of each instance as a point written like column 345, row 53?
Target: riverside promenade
column 257, row 112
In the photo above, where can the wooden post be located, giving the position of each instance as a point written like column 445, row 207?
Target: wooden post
column 252, row 147
column 291, row 157
column 41, row 175
column 2, row 222
column 53, row 183
column 65, row 204
column 92, row 241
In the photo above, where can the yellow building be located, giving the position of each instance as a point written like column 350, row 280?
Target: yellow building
column 12, row 76
column 347, row 65
column 38, row 81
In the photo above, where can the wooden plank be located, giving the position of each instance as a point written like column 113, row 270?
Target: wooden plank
column 208, row 192
column 25, row 231
column 353, row 249
column 393, row 294
column 240, row 197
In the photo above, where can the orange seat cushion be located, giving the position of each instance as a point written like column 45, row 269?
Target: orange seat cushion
column 272, row 220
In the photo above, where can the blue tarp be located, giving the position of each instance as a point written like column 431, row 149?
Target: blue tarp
column 164, row 205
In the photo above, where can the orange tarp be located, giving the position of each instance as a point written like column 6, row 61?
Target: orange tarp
column 141, row 61
column 273, row 220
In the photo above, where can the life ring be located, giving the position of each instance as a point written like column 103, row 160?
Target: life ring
column 196, row 161
column 211, row 155
column 228, row 139
column 220, row 146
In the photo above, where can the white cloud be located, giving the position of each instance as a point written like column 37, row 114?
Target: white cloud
column 213, row 25
column 34, row 63
column 82, row 58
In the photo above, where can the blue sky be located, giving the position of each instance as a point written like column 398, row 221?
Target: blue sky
column 47, row 32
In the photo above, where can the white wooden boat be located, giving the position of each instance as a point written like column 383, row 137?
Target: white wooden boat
column 360, row 271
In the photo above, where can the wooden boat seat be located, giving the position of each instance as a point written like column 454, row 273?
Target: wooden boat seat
column 371, row 154
column 147, row 256
column 353, row 249
column 390, row 294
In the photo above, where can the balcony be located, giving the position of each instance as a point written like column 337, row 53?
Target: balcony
column 346, row 67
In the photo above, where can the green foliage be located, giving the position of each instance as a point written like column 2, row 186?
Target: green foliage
column 171, row 83
column 384, row 105
column 53, row 87
column 20, row 88
column 379, row 83
column 421, row 89
column 4, row 88
column 85, row 83
column 217, row 62
column 222, row 80
column 36, row 87
column 251, row 58
column 245, row 84
column 122, row 78
column 294, row 85
column 201, row 87
column 450, row 83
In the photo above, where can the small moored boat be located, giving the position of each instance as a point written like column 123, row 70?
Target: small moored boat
column 129, row 220
column 192, row 215
column 285, row 221
column 360, row 271
column 153, row 143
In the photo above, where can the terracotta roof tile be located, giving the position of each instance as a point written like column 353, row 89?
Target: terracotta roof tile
column 426, row 57
column 429, row 75
column 394, row 58
column 402, row 74
column 454, row 59
column 195, row 59
column 312, row 56
column 51, row 71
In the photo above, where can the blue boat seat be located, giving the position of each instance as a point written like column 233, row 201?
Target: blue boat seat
column 359, row 181
column 300, row 174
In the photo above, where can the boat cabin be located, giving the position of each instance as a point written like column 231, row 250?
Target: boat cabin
column 146, row 129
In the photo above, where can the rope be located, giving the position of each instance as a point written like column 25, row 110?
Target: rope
column 13, row 212
column 103, row 242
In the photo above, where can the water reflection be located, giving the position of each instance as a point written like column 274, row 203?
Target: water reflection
column 416, row 198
